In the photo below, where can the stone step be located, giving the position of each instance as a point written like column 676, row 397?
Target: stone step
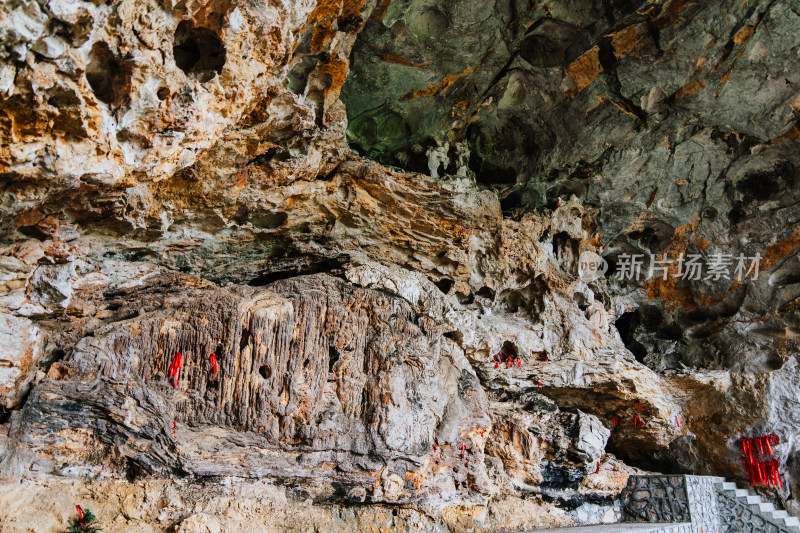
column 792, row 521
column 752, row 500
column 793, row 526
column 765, row 508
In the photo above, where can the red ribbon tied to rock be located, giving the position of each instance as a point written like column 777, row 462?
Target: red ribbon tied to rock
column 213, row 359
column 758, row 461
column 175, row 368
column 80, row 514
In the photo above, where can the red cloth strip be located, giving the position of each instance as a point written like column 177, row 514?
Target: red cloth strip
column 175, row 368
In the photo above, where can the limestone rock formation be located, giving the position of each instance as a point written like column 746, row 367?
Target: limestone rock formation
column 387, row 239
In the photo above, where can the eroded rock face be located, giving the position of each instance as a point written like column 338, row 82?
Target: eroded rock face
column 423, row 350
column 320, row 372
column 23, row 349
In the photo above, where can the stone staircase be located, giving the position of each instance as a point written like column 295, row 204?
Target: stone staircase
column 741, row 511
column 700, row 504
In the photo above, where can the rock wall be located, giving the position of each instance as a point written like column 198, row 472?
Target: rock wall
column 405, row 335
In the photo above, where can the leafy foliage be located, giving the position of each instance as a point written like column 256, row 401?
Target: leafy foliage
column 85, row 525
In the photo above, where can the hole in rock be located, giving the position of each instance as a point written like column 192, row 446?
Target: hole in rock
column 300, row 72
column 566, row 250
column 326, row 266
column 57, row 355
column 487, row 173
column 465, row 299
column 626, row 325
column 333, row 356
column 516, row 199
column 198, row 51
column 306, row 363
column 496, row 150
column 709, row 213
column 455, row 336
column 162, row 93
column 514, row 301
column 508, row 352
column 33, row 232
column 108, row 77
column 550, row 44
column 273, row 155
column 265, row 371
column 134, row 470
column 326, row 177
column 444, row 285
column 510, row 348
column 654, row 238
column 269, row 220
column 485, row 292
column 634, row 454
column 768, row 183
column 581, row 300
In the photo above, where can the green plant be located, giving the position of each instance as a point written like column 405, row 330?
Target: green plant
column 84, row 523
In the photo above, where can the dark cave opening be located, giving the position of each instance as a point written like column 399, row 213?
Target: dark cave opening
column 627, row 324
column 509, row 349
column 465, row 299
column 198, row 52
column 265, row 371
column 108, row 77
column 483, row 145
column 327, row 266
column 333, row 357
column 444, row 285
column 636, row 455
column 485, row 292
column 455, row 336
column 566, row 250
column 270, row 220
